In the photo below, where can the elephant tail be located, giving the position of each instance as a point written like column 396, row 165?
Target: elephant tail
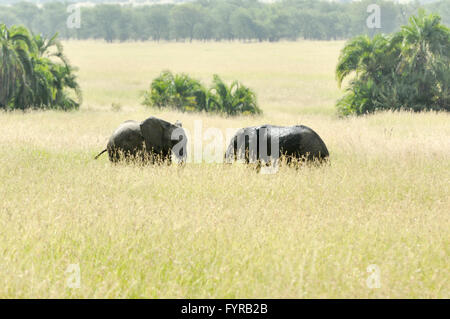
column 100, row 153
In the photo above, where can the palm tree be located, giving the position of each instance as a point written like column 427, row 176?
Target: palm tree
column 424, row 39
column 182, row 92
column 373, row 61
column 16, row 66
column 407, row 70
column 187, row 93
column 425, row 50
column 232, row 100
column 34, row 71
column 368, row 58
column 54, row 75
column 179, row 91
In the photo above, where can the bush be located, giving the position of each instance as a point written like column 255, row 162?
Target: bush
column 184, row 93
column 177, row 91
column 407, row 70
column 232, row 100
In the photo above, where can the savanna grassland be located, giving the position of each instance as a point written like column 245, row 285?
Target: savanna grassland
column 214, row 230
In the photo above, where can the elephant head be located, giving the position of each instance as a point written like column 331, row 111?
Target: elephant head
column 162, row 137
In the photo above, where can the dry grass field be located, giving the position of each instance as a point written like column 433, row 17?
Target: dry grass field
column 214, row 230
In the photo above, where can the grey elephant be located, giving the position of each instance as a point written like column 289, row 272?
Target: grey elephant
column 149, row 139
column 264, row 142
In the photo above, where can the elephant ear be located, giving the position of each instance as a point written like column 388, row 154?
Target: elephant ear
column 152, row 132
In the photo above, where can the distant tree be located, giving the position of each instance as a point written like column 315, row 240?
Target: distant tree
column 28, row 12
column 184, row 19
column 159, row 20
column 53, row 17
column 242, row 25
column 221, row 13
column 8, row 17
column 311, row 28
column 219, row 19
column 107, row 18
column 206, row 28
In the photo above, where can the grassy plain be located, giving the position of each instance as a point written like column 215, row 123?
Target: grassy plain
column 212, row 230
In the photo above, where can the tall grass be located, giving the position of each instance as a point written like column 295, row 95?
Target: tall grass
column 212, row 230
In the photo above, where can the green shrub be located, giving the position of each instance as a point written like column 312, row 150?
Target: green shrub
column 233, row 100
column 407, row 70
column 177, row 91
column 184, row 93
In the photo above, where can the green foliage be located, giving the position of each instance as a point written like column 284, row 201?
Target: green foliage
column 244, row 20
column 34, row 72
column 233, row 100
column 409, row 69
column 181, row 92
column 177, row 91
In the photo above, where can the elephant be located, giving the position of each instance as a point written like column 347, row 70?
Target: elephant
column 149, row 139
column 255, row 143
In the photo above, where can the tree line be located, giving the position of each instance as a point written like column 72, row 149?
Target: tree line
column 216, row 20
